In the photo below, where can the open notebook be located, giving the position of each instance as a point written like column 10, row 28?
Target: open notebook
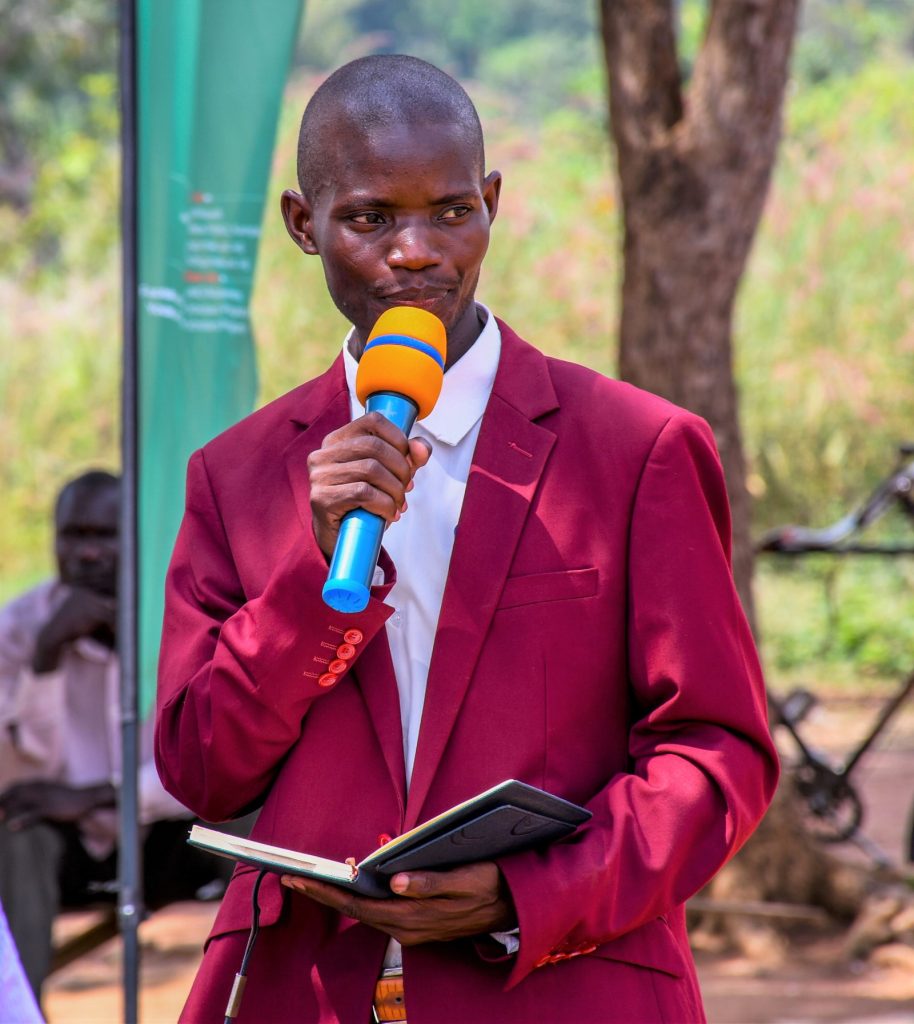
column 511, row 816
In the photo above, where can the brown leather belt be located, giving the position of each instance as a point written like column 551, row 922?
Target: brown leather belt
column 389, row 1003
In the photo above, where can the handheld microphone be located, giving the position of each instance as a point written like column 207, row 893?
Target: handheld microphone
column 399, row 375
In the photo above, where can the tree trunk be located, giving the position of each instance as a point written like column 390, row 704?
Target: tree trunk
column 694, row 169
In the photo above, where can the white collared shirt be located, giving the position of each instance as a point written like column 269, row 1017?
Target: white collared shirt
column 420, row 543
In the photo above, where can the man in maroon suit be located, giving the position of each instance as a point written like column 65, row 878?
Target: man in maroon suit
column 554, row 606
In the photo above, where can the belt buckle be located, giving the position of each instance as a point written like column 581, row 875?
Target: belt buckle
column 386, row 973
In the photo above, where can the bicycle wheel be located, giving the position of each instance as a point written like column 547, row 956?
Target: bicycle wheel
column 835, row 807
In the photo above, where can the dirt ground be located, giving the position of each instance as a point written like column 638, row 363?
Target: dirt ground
column 816, row 983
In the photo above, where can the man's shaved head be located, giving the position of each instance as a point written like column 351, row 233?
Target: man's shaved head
column 376, row 92
column 81, row 487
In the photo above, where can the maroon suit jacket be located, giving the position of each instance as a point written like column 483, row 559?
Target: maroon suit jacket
column 590, row 643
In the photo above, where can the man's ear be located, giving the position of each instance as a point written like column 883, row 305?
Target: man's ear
column 296, row 214
column 491, row 190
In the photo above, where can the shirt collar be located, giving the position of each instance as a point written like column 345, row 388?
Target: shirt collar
column 465, row 391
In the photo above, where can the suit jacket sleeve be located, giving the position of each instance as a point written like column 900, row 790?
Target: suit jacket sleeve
column 237, row 672
column 702, row 766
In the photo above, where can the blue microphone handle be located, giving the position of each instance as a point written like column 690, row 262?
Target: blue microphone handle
column 359, row 542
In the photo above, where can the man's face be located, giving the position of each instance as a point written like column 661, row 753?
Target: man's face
column 403, row 221
column 87, row 545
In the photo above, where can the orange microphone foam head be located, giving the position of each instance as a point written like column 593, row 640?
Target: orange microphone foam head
column 405, row 353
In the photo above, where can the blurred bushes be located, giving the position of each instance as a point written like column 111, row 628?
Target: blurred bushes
column 58, row 123
column 835, row 621
column 825, row 323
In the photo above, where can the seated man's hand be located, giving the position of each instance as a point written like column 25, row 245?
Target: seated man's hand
column 82, row 613
column 432, row 906
column 26, row 803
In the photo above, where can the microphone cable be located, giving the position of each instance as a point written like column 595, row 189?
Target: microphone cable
column 235, row 996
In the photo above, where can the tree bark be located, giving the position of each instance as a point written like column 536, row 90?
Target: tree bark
column 694, row 167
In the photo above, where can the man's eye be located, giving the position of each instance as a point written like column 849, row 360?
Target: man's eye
column 367, row 218
column 455, row 212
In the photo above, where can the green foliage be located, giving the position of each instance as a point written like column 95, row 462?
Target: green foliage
column 561, row 67
column 825, row 318
column 693, row 16
column 836, row 38
column 328, row 36
column 508, row 45
column 80, row 173
column 47, row 49
column 838, row 622
column 58, row 120
column 59, row 413
column 839, row 37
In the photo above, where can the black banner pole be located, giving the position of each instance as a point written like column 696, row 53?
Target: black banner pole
column 130, row 898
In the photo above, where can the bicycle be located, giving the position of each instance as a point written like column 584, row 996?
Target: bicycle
column 825, row 785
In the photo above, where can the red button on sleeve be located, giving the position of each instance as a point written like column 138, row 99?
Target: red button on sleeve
column 327, row 679
column 353, row 636
column 345, row 651
column 337, row 666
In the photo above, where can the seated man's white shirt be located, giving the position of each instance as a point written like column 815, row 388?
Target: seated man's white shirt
column 64, row 725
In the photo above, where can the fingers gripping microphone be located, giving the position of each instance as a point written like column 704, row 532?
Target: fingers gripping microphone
column 400, row 375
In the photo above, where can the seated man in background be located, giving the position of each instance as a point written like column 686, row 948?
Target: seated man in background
column 60, row 739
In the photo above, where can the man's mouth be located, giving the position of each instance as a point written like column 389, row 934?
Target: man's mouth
column 422, row 297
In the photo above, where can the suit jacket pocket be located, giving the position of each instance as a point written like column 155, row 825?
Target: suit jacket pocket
column 652, row 945
column 548, row 586
column 235, row 913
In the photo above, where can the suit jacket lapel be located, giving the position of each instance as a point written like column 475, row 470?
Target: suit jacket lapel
column 324, row 407
column 510, row 456
column 329, row 397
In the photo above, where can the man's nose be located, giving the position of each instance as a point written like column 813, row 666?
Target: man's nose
column 413, row 248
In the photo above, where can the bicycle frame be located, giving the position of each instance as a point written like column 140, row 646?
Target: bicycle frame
column 826, row 787
column 897, row 487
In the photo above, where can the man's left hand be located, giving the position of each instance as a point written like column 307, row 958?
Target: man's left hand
column 433, row 906
column 26, row 803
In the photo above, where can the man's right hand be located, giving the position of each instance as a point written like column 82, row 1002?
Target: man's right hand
column 83, row 612
column 370, row 464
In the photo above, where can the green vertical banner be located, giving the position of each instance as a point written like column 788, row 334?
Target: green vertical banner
column 210, row 80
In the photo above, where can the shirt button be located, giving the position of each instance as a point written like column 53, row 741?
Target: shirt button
column 345, row 651
column 327, row 679
column 397, row 619
column 337, row 666
column 353, row 636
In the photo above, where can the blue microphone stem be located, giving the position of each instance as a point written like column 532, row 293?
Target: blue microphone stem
column 401, row 411
column 348, row 583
